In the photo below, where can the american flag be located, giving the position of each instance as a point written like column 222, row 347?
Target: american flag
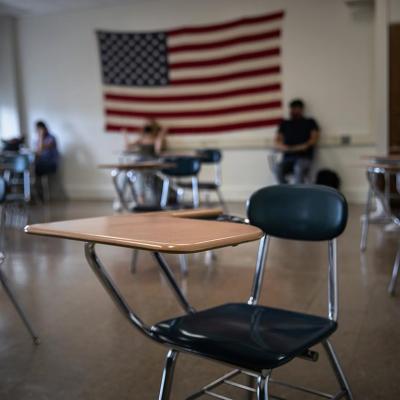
column 218, row 78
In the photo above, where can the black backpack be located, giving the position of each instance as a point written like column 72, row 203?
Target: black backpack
column 329, row 178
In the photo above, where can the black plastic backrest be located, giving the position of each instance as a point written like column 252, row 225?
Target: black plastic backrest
column 185, row 166
column 209, row 156
column 299, row 212
column 3, row 190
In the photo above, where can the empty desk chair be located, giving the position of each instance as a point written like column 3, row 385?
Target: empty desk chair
column 185, row 168
column 3, row 279
column 211, row 157
column 19, row 176
column 256, row 339
column 384, row 186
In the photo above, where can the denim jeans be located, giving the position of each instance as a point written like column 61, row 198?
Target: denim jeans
column 298, row 166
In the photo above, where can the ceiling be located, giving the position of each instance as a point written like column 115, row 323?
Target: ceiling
column 43, row 7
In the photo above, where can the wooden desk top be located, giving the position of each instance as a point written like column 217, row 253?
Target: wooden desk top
column 167, row 232
column 393, row 158
column 394, row 167
column 138, row 165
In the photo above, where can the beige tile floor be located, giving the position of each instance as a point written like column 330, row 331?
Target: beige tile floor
column 89, row 352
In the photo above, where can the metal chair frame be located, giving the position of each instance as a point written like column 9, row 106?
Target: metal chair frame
column 4, row 282
column 169, row 181
column 263, row 379
column 383, row 197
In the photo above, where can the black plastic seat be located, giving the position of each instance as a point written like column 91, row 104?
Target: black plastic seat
column 248, row 336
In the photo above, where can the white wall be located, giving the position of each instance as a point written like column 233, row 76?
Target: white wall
column 9, row 117
column 327, row 60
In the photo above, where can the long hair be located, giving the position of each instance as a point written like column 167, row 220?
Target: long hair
column 42, row 125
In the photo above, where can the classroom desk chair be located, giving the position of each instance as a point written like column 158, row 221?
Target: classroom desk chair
column 3, row 279
column 186, row 167
column 211, row 157
column 19, row 175
column 384, row 186
column 254, row 339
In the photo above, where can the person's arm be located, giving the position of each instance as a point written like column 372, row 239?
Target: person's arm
column 310, row 142
column 160, row 140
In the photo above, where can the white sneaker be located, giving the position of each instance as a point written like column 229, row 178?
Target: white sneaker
column 117, row 206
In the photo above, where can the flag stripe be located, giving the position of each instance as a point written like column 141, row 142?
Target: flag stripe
column 223, row 52
column 202, row 120
column 216, row 70
column 194, row 114
column 201, row 130
column 225, row 43
column 193, row 97
column 251, row 81
column 226, row 77
column 227, row 25
column 225, row 60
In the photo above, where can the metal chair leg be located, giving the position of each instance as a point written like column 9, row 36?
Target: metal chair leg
column 135, row 256
column 195, row 192
column 27, row 185
column 167, row 376
column 395, row 274
column 164, row 193
column 365, row 223
column 262, row 385
column 222, row 201
column 344, row 385
column 183, row 264
column 19, row 309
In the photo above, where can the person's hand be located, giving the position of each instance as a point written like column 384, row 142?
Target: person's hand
column 281, row 147
column 300, row 147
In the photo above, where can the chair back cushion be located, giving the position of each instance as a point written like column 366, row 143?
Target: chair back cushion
column 184, row 166
column 299, row 212
column 209, row 156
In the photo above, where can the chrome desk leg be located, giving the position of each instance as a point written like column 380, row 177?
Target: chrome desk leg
column 173, row 284
column 168, row 375
column 222, row 201
column 120, row 190
column 262, row 385
column 395, row 273
column 183, row 264
column 135, row 256
column 19, row 309
column 195, row 192
column 365, row 223
column 344, row 385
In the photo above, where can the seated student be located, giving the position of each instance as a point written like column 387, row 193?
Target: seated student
column 47, row 156
column 296, row 138
column 149, row 145
column 150, row 142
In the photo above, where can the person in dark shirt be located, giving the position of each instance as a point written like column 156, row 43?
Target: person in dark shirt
column 296, row 138
column 46, row 152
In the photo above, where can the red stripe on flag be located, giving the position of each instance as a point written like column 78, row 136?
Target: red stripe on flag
column 227, row 77
column 224, row 43
column 202, row 129
column 225, row 60
column 202, row 113
column 193, row 97
column 227, row 25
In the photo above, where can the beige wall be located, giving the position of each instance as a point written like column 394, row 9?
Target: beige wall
column 327, row 60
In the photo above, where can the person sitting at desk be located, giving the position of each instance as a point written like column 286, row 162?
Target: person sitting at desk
column 150, row 142
column 296, row 138
column 148, row 145
column 46, row 151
